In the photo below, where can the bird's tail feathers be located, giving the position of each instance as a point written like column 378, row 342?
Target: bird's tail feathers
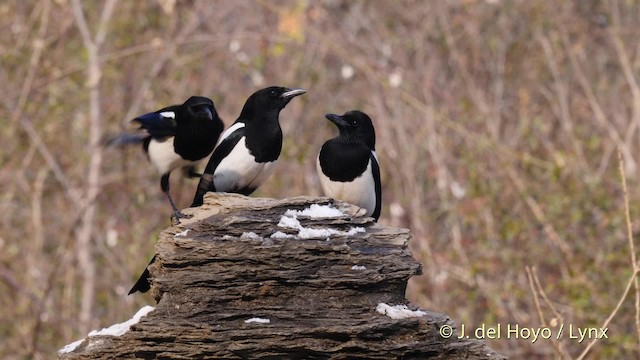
column 143, row 285
column 205, row 184
column 124, row 139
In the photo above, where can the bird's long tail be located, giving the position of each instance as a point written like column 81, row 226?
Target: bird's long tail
column 205, row 184
column 143, row 284
column 124, row 139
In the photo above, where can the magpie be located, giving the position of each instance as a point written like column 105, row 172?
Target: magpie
column 177, row 136
column 348, row 165
column 245, row 155
column 247, row 152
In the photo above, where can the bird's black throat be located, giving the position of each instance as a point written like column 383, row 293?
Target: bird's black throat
column 342, row 160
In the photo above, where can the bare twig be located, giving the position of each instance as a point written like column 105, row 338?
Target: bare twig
column 475, row 91
column 538, row 212
column 165, row 56
column 627, row 68
column 413, row 101
column 85, row 232
column 613, row 313
column 36, row 216
column 536, row 289
column 541, row 291
column 38, row 47
column 596, row 107
column 7, row 276
column 561, row 96
column 536, row 300
column 36, row 267
column 632, row 248
column 51, row 161
column 633, row 279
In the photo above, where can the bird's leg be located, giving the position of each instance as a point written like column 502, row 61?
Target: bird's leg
column 164, row 184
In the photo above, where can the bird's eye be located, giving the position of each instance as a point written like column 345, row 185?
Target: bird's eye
column 273, row 93
column 355, row 123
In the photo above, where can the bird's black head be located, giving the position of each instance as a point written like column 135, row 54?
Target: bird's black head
column 355, row 124
column 200, row 107
column 273, row 98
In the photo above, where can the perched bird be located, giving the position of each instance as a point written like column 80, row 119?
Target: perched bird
column 245, row 155
column 248, row 150
column 348, row 165
column 177, row 136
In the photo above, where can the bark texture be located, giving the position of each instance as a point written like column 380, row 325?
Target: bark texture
column 229, row 267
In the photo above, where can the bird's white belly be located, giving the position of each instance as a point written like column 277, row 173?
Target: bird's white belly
column 240, row 170
column 164, row 157
column 360, row 191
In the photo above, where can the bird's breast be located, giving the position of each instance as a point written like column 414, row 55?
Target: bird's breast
column 359, row 191
column 164, row 157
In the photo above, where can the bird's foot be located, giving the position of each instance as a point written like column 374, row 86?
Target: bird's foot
column 177, row 215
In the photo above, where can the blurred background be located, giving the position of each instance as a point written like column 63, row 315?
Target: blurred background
column 498, row 124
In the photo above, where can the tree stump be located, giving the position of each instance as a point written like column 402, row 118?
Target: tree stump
column 261, row 278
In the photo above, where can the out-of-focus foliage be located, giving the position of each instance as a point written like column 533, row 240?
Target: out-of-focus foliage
column 497, row 124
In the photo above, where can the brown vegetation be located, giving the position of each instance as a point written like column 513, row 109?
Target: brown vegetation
column 497, row 123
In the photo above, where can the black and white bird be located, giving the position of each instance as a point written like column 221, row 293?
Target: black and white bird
column 348, row 165
column 247, row 152
column 245, row 155
column 177, row 136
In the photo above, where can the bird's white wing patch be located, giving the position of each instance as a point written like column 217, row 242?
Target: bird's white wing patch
column 168, row 114
column 375, row 156
column 230, row 131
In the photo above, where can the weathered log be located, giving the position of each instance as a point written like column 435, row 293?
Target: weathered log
column 317, row 281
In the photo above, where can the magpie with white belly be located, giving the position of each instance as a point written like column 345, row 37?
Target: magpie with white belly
column 177, row 136
column 246, row 153
column 348, row 165
column 248, row 150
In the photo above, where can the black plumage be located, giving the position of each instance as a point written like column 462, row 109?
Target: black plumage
column 246, row 154
column 177, row 136
column 142, row 284
column 348, row 165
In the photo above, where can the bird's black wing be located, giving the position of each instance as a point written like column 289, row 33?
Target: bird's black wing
column 143, row 284
column 219, row 153
column 375, row 171
column 159, row 124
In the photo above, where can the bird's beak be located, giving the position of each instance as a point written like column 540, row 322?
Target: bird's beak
column 291, row 93
column 209, row 113
column 337, row 119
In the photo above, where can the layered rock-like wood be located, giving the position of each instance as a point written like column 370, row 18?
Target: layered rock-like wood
column 319, row 291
